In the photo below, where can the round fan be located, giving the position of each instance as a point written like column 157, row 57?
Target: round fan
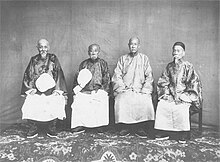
column 45, row 82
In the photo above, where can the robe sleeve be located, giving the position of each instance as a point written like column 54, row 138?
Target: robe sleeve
column 60, row 79
column 28, row 78
column 75, row 82
column 148, row 82
column 81, row 66
column 193, row 87
column 163, row 84
column 105, row 76
column 117, row 78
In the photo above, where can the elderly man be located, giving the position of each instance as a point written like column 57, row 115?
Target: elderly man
column 90, row 108
column 45, row 90
column 178, row 88
column 133, row 86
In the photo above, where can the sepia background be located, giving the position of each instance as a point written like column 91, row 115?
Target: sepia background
column 71, row 26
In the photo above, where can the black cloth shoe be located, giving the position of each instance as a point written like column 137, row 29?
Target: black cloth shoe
column 78, row 130
column 183, row 136
column 42, row 135
column 100, row 130
column 124, row 133
column 182, row 141
column 141, row 133
column 52, row 134
column 52, row 128
column 162, row 137
column 33, row 132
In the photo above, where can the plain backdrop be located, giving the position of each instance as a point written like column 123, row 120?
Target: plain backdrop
column 71, row 26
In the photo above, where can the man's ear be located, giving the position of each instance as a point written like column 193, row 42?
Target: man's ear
column 184, row 53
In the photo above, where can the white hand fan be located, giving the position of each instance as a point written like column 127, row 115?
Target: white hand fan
column 83, row 78
column 45, row 82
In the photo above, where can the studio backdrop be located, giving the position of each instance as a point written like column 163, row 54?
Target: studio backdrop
column 71, row 26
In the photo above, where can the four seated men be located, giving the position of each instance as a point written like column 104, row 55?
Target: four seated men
column 45, row 90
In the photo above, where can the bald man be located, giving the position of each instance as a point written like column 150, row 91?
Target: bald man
column 90, row 107
column 44, row 89
column 133, row 86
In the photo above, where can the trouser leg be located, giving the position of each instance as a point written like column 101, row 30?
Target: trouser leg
column 33, row 124
column 33, row 130
column 52, row 128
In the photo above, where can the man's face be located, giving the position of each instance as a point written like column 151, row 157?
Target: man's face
column 133, row 45
column 43, row 48
column 178, row 52
column 94, row 52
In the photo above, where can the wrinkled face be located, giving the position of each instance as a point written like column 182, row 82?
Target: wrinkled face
column 93, row 52
column 133, row 45
column 178, row 52
column 43, row 47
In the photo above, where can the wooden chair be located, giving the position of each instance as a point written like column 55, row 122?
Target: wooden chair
column 193, row 110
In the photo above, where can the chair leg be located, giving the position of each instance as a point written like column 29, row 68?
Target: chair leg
column 190, row 122
column 200, row 121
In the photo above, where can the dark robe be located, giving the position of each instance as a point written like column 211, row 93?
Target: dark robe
column 39, row 65
column 100, row 75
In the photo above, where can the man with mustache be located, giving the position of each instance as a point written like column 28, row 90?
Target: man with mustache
column 44, row 89
column 178, row 88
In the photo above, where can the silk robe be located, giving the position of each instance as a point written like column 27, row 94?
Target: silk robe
column 133, row 86
column 43, row 106
column 173, row 111
column 90, row 107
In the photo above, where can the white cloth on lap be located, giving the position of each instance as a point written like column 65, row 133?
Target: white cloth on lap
column 133, row 107
column 172, row 117
column 44, row 108
column 90, row 110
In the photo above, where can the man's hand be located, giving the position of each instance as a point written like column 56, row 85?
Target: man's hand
column 101, row 92
column 186, row 98
column 169, row 98
column 31, row 92
column 66, row 99
column 55, row 93
column 77, row 89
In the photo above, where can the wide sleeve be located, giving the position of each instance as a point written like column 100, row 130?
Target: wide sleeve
column 148, row 81
column 81, row 66
column 60, row 79
column 163, row 84
column 105, row 76
column 117, row 78
column 28, row 78
column 194, row 87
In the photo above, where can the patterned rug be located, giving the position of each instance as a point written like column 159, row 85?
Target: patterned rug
column 96, row 147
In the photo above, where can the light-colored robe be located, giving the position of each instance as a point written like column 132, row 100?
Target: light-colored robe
column 177, row 80
column 90, row 107
column 43, row 106
column 133, row 86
